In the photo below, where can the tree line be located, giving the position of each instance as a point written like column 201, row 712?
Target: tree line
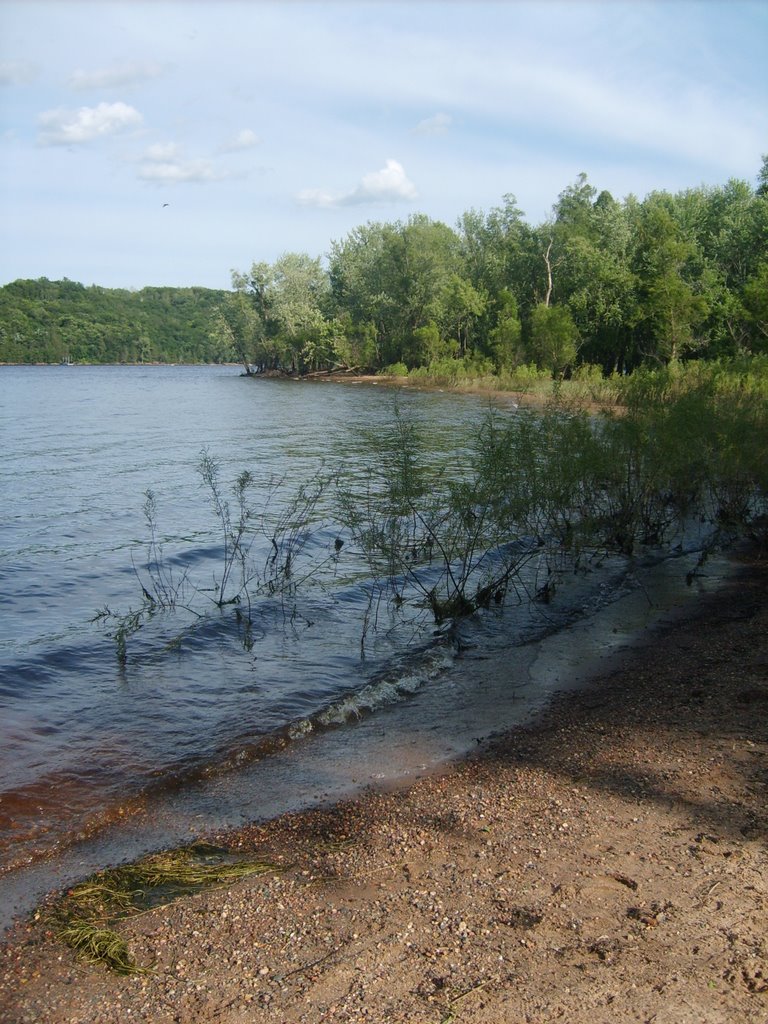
column 603, row 283
column 44, row 321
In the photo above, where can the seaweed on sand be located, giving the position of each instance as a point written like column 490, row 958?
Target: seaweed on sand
column 84, row 916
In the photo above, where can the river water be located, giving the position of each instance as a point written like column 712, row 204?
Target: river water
column 204, row 724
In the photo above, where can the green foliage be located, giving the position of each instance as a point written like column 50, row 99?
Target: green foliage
column 755, row 305
column 524, row 378
column 452, row 534
column 428, row 347
column 46, row 321
column 401, row 278
column 354, row 345
column 478, row 372
column 235, row 321
column 394, row 370
column 504, row 339
column 616, row 284
column 234, row 529
column 460, row 308
column 279, row 524
column 281, row 316
column 589, row 384
column 431, row 533
column 554, row 338
column 452, row 372
column 446, row 525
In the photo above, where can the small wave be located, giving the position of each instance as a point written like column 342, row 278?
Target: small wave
column 397, row 683
column 388, row 688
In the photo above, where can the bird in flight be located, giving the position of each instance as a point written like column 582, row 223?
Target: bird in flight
column 165, row 204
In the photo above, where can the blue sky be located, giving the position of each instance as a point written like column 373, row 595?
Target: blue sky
column 275, row 126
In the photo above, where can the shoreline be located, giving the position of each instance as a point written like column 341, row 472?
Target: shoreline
column 607, row 862
column 532, row 399
column 479, row 693
column 536, row 399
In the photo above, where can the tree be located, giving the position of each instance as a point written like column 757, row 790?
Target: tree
column 505, row 337
column 427, row 346
column 353, row 344
column 574, row 207
column 277, row 316
column 762, row 177
column 670, row 268
column 398, row 277
column 494, row 249
column 675, row 309
column 428, row 264
column 296, row 292
column 734, row 230
column 599, row 284
column 461, row 305
column 237, row 321
column 554, row 338
column 44, row 321
column 363, row 288
column 572, row 218
column 755, row 303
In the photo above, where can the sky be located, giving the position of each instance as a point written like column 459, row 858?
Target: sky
column 168, row 143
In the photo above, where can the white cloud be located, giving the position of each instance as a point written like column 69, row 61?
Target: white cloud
column 65, row 127
column 17, row 72
column 115, row 77
column 175, row 172
column 316, row 197
column 165, row 163
column 161, row 152
column 245, row 139
column 388, row 185
column 436, row 125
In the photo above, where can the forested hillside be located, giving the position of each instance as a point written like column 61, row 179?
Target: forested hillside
column 612, row 284
column 48, row 321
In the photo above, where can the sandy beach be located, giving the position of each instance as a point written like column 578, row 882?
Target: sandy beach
column 606, row 864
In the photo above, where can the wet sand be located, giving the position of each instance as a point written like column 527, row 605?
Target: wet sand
column 607, row 863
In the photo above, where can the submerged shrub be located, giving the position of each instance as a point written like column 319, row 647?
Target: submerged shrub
column 449, row 532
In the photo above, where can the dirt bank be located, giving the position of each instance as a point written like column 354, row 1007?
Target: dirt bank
column 607, row 864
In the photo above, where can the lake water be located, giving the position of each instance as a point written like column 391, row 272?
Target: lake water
column 204, row 724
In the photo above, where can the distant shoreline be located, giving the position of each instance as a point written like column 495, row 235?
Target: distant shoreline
column 57, row 365
column 530, row 399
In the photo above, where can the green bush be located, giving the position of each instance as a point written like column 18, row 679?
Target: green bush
column 526, row 377
column 394, row 370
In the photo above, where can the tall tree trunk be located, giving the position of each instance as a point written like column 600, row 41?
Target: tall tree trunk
column 548, row 262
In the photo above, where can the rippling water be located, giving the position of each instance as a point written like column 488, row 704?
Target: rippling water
column 80, row 447
column 196, row 726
